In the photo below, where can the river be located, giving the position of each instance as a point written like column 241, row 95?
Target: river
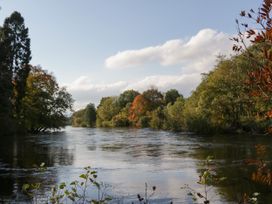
column 126, row 159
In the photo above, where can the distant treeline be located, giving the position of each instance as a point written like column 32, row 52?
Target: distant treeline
column 30, row 98
column 225, row 101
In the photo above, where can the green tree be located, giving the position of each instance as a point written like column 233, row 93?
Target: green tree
column 77, row 118
column 171, row 96
column 126, row 97
column 16, row 44
column 45, row 103
column 90, row 115
column 157, row 118
column 154, row 98
column 106, row 110
column 6, row 90
column 174, row 115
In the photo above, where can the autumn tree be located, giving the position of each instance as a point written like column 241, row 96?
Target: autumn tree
column 258, row 29
column 45, row 103
column 138, row 110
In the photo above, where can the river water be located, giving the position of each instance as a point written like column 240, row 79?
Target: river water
column 127, row 159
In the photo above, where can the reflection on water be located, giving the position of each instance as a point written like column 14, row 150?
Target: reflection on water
column 127, row 158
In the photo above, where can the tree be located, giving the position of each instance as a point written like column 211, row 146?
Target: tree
column 45, row 103
column 259, row 31
column 6, row 90
column 174, row 115
column 90, row 115
column 84, row 117
column 138, row 110
column 16, row 45
column 126, row 97
column 171, row 96
column 106, row 110
column 77, row 118
column 154, row 98
column 157, row 118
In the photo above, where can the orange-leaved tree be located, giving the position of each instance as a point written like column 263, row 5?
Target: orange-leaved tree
column 138, row 109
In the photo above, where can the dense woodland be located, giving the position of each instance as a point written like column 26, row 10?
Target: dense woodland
column 30, row 99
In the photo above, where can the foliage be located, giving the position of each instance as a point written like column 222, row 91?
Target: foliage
column 85, row 117
column 221, row 102
column 45, row 103
column 31, row 99
column 126, row 98
column 106, row 110
column 74, row 192
column 15, row 55
column 258, row 30
column 146, row 198
column 171, row 96
column 121, row 119
column 154, row 99
column 174, row 115
column 207, row 178
column 157, row 118
column 138, row 110
column 16, row 44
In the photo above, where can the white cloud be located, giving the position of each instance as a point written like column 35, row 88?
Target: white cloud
column 197, row 53
column 184, row 83
column 84, row 91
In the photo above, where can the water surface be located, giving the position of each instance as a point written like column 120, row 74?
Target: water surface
column 126, row 159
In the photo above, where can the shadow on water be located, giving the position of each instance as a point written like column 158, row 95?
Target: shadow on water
column 232, row 154
column 20, row 157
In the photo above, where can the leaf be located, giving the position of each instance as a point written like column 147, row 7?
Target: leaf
column 62, row 185
column 83, row 176
column 25, row 187
column 243, row 13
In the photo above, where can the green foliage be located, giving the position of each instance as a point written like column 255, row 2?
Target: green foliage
column 73, row 192
column 174, row 115
column 171, row 96
column 85, row 117
column 157, row 118
column 222, row 101
column 106, row 110
column 17, row 47
column 154, row 98
column 45, row 103
column 121, row 119
column 207, row 179
column 30, row 99
column 126, row 98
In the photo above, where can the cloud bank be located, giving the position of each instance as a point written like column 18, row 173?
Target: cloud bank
column 194, row 54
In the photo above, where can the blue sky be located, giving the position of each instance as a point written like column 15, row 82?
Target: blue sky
column 98, row 48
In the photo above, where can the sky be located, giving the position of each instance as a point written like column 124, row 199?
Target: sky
column 100, row 48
